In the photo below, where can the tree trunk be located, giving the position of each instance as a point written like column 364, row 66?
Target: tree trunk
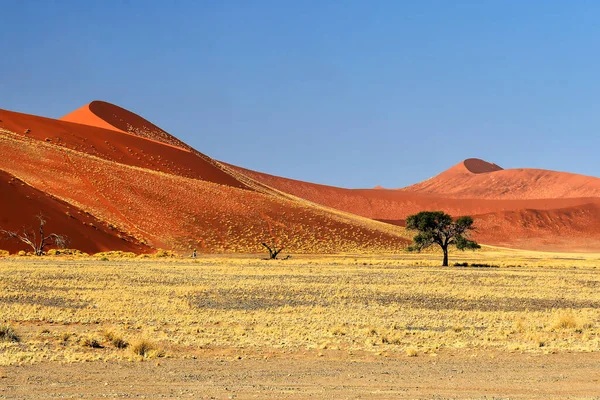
column 445, row 262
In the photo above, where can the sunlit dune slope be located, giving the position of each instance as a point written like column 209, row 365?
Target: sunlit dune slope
column 106, row 115
column 474, row 178
column 21, row 203
column 168, row 209
column 117, row 146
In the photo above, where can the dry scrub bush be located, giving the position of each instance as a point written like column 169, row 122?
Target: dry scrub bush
column 147, row 349
column 67, row 252
column 90, row 341
column 4, row 253
column 8, row 334
column 568, row 320
column 160, row 253
column 115, row 339
column 65, row 336
column 115, row 254
column 412, row 352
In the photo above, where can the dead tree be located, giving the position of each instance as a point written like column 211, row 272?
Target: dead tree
column 273, row 250
column 38, row 243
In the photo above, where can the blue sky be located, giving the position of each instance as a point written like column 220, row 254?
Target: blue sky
column 346, row 93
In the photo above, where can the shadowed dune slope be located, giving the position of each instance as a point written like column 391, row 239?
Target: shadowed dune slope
column 20, row 203
column 474, row 178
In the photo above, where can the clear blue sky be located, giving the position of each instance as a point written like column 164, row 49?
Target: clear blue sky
column 346, row 93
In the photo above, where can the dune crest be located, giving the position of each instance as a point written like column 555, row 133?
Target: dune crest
column 478, row 166
column 479, row 179
column 105, row 115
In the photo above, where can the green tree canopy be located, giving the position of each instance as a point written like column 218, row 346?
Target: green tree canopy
column 437, row 227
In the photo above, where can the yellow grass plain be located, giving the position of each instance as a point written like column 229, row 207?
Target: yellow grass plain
column 396, row 305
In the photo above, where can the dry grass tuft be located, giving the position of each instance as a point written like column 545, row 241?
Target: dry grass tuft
column 147, row 349
column 115, row 339
column 90, row 341
column 8, row 334
column 565, row 320
column 412, row 352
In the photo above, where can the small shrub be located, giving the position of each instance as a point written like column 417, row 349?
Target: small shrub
column 142, row 347
column 66, row 252
column 104, row 259
column 8, row 334
column 163, row 253
column 92, row 342
column 65, row 336
column 565, row 320
column 412, row 352
column 4, row 253
column 115, row 339
column 115, row 254
column 145, row 348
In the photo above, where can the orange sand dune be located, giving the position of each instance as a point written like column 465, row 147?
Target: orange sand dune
column 20, row 203
column 114, row 145
column 382, row 204
column 511, row 228
column 109, row 116
column 170, row 210
column 130, row 173
column 571, row 229
column 479, row 179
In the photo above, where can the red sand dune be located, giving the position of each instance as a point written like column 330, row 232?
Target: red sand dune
column 109, row 116
column 120, row 147
column 511, row 228
column 130, row 173
column 20, row 203
column 383, row 204
column 474, row 178
column 571, row 229
column 169, row 208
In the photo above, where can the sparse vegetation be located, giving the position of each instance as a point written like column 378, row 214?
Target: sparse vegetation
column 378, row 305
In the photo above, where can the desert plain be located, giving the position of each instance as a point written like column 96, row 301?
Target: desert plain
column 521, row 324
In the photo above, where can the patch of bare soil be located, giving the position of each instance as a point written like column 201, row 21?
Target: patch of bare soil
column 333, row 375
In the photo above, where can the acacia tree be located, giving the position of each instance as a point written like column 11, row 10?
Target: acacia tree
column 37, row 243
column 437, row 227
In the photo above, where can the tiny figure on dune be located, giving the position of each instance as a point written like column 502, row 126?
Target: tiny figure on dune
column 194, row 254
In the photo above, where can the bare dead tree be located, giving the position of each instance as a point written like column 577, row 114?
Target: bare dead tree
column 38, row 243
column 273, row 250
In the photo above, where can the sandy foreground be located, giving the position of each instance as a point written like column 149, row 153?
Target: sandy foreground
column 333, row 376
column 332, row 328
